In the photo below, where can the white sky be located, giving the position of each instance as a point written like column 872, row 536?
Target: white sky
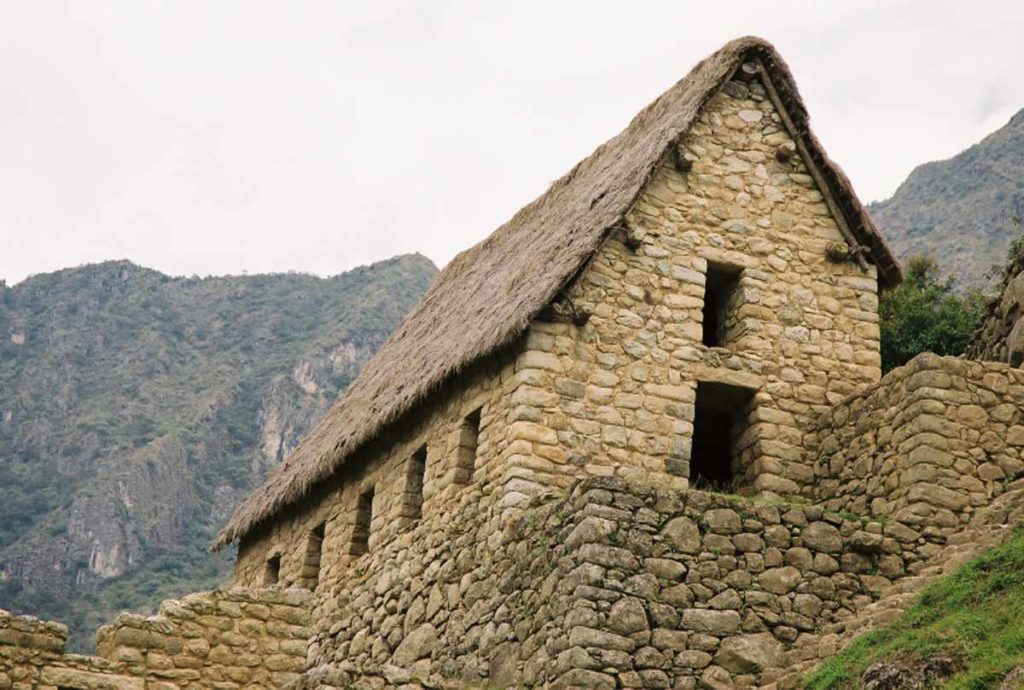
column 217, row 136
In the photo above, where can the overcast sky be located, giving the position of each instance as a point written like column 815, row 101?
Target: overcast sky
column 214, row 137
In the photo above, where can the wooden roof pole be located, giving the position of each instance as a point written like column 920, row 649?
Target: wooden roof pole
column 801, row 146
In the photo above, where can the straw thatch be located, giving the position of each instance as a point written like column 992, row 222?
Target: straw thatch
column 487, row 296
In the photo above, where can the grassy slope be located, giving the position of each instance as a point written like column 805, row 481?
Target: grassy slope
column 975, row 615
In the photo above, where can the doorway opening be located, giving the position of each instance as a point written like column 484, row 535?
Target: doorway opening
column 720, row 436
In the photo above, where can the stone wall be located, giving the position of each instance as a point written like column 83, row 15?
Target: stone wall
column 692, row 589
column 616, row 584
column 460, row 598
column 32, row 657
column 617, row 396
column 223, row 639
column 1000, row 337
column 449, row 487
column 928, row 445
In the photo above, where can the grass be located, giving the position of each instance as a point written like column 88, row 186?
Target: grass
column 975, row 615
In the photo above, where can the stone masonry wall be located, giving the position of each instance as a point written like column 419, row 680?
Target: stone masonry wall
column 613, row 585
column 691, row 589
column 385, row 467
column 224, row 639
column 928, row 445
column 617, row 396
column 463, row 599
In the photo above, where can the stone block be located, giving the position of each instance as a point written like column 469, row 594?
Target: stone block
column 711, row 622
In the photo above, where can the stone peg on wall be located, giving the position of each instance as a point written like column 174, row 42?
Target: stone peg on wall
column 840, row 252
column 785, row 152
column 564, row 310
column 682, row 162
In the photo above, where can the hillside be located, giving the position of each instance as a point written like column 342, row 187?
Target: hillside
column 137, row 409
column 965, row 631
column 961, row 210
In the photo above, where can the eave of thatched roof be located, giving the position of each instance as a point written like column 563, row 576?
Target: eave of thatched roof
column 488, row 295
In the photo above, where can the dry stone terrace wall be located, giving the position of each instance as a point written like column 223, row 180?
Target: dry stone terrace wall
column 691, row 589
column 928, row 445
column 224, row 639
column 614, row 585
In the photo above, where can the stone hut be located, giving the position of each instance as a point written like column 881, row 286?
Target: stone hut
column 679, row 307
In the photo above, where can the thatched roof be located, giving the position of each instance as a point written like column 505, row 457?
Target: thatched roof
column 488, row 295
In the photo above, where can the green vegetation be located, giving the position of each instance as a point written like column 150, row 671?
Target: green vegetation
column 137, row 409
column 975, row 617
column 925, row 314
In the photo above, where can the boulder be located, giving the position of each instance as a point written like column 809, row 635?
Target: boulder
column 780, row 580
column 823, row 537
column 750, row 653
column 418, row 644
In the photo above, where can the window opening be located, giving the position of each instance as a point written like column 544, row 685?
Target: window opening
column 720, row 290
column 364, row 518
column 469, row 441
column 415, row 473
column 273, row 571
column 314, row 555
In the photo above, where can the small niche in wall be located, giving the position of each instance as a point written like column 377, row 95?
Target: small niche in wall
column 415, row 472
column 720, row 438
column 272, row 572
column 469, row 441
column 364, row 519
column 720, row 295
column 314, row 556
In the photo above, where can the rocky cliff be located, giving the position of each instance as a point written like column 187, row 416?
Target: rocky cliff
column 961, row 210
column 136, row 409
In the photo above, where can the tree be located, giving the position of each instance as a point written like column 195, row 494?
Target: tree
column 925, row 314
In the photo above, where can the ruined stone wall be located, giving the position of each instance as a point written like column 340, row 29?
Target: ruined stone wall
column 223, row 639
column 929, row 444
column 32, row 656
column 616, row 584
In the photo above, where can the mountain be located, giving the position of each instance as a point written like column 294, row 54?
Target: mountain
column 961, row 210
column 137, row 409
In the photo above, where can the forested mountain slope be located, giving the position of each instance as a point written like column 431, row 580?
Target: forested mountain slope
column 137, row 409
